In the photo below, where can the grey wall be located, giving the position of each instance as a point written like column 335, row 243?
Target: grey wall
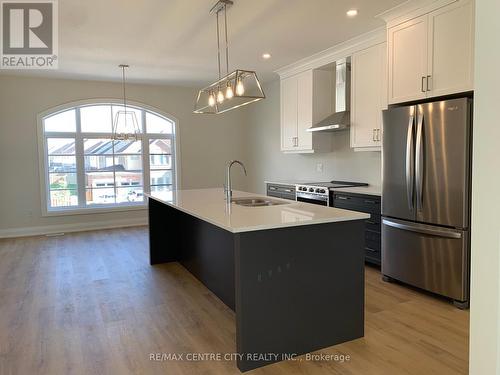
column 266, row 161
column 207, row 142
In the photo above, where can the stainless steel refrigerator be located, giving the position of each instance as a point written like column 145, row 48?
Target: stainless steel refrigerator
column 426, row 196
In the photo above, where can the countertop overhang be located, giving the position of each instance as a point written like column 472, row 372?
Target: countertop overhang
column 209, row 205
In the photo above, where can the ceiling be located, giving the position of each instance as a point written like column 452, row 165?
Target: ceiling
column 174, row 41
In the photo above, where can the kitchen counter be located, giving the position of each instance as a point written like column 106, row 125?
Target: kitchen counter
column 367, row 190
column 289, row 182
column 209, row 205
column 292, row 273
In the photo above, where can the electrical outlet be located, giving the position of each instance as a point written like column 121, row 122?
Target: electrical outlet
column 319, row 167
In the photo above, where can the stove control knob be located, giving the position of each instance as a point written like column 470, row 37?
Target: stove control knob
column 318, row 190
column 311, row 190
column 322, row 191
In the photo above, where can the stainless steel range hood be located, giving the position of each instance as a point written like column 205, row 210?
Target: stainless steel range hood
column 340, row 120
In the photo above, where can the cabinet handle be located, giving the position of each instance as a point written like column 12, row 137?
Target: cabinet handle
column 370, row 249
column 427, row 83
column 369, row 201
column 373, row 135
column 272, row 188
column 377, row 132
column 422, row 84
column 371, row 222
column 342, row 198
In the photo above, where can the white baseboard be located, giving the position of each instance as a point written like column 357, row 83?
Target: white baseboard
column 68, row 228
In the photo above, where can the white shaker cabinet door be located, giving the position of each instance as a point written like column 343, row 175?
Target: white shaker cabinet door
column 288, row 114
column 407, row 45
column 368, row 94
column 451, row 49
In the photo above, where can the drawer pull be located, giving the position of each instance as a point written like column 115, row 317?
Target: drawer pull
column 370, row 222
column 272, row 188
column 370, row 201
column 342, row 198
column 370, row 249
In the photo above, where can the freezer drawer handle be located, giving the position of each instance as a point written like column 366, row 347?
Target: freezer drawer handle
column 425, row 229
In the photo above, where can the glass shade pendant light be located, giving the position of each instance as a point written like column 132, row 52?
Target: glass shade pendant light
column 125, row 125
column 235, row 89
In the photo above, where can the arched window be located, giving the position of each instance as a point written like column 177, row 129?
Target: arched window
column 84, row 169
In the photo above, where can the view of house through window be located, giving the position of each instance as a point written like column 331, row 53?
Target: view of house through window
column 85, row 168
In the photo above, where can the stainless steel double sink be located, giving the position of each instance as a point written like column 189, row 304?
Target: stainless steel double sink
column 256, row 202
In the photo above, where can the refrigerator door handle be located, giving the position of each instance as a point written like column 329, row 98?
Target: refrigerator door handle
column 419, row 162
column 423, row 228
column 410, row 162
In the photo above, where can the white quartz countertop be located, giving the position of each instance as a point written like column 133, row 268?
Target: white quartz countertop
column 209, row 205
column 368, row 190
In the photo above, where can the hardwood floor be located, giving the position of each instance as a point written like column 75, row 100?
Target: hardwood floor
column 89, row 303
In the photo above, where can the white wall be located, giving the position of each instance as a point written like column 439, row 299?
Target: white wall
column 207, row 142
column 485, row 267
column 266, row 161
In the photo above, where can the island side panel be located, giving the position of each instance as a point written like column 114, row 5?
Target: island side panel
column 298, row 289
column 205, row 250
column 163, row 228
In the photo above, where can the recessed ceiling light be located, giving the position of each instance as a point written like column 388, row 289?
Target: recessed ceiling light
column 266, row 56
column 352, row 12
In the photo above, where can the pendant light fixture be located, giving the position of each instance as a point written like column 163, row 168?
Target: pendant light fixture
column 125, row 125
column 235, row 89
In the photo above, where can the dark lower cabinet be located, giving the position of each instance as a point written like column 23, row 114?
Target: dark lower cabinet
column 370, row 204
column 281, row 191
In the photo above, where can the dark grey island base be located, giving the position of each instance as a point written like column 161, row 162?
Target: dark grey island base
column 294, row 290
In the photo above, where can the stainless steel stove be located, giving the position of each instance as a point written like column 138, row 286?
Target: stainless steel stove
column 319, row 192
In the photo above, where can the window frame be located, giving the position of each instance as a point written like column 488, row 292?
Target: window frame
column 43, row 156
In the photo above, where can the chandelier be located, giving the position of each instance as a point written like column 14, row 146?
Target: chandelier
column 125, row 125
column 235, row 89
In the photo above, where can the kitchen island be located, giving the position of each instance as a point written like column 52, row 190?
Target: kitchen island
column 293, row 272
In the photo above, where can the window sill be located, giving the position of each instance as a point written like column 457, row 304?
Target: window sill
column 94, row 210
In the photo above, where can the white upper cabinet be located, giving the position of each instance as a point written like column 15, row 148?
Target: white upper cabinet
column 407, row 60
column 368, row 97
column 451, row 40
column 306, row 98
column 288, row 113
column 432, row 55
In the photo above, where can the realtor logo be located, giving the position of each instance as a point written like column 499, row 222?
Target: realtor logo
column 28, row 34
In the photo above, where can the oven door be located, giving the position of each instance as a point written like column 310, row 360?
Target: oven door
column 313, row 199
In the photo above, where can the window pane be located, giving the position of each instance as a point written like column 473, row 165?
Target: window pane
column 62, row 181
column 163, row 192
column 99, row 163
column 99, row 179
column 61, row 122
column 62, row 164
column 131, row 194
column 128, row 179
column 128, row 147
column 160, row 146
column 96, row 119
column 63, row 198
column 160, row 161
column 128, row 163
column 100, row 196
column 97, row 146
column 137, row 112
column 157, row 124
column 61, row 146
column 161, row 177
